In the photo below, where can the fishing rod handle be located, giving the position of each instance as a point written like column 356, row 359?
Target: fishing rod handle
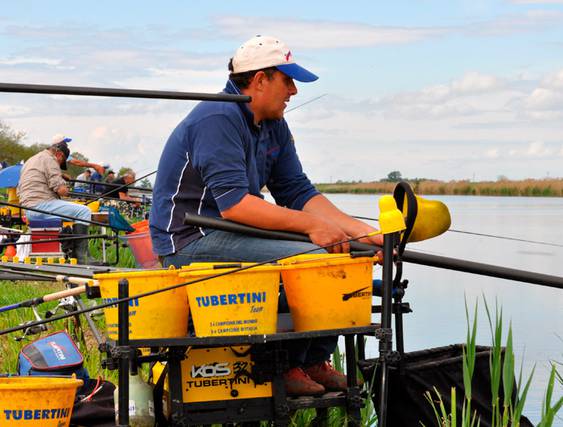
column 63, row 294
column 76, row 280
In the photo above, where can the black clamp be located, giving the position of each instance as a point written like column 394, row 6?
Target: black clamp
column 179, row 420
column 282, row 411
column 391, row 357
column 384, row 334
column 122, row 352
column 354, row 399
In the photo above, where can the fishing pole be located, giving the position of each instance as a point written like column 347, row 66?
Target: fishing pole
column 108, row 184
column 60, row 239
column 72, row 218
column 120, row 93
column 54, row 295
column 407, row 256
column 86, row 271
column 120, row 187
column 516, row 239
column 94, row 197
column 27, row 273
column 369, row 252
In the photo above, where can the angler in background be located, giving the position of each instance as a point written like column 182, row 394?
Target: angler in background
column 122, row 193
column 42, row 186
column 216, row 162
column 83, row 186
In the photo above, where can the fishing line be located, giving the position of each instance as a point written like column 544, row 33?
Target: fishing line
column 179, row 285
column 120, row 187
column 516, row 239
column 306, row 102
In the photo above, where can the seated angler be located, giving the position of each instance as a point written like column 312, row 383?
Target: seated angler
column 41, row 186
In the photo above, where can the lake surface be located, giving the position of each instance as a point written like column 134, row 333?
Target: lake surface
column 437, row 295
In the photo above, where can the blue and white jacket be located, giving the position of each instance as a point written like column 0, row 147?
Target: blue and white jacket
column 213, row 158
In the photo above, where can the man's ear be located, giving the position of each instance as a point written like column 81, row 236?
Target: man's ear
column 259, row 79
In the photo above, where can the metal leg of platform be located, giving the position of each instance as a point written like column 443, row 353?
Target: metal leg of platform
column 123, row 341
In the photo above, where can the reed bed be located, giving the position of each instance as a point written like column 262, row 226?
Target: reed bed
column 525, row 188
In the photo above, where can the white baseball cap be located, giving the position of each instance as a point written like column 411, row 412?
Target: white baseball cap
column 59, row 137
column 265, row 51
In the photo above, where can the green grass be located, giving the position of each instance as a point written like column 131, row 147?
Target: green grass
column 506, row 412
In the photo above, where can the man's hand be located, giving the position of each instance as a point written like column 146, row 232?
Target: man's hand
column 98, row 168
column 62, row 190
column 324, row 233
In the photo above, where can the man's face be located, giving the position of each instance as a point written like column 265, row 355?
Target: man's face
column 60, row 157
column 277, row 92
column 128, row 179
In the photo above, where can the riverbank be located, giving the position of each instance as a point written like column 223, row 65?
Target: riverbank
column 528, row 187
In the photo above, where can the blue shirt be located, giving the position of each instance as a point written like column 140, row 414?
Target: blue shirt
column 213, row 158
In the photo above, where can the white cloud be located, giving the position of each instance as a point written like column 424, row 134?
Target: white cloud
column 309, row 34
column 534, row 149
column 19, row 60
column 474, row 92
column 531, row 20
column 493, row 153
column 537, row 1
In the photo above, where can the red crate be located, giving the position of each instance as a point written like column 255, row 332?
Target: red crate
column 45, row 234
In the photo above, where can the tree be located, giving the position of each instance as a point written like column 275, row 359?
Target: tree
column 394, row 176
column 145, row 183
column 12, row 150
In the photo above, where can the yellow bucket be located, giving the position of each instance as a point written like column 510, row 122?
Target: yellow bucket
column 37, row 401
column 242, row 303
column 164, row 315
column 328, row 291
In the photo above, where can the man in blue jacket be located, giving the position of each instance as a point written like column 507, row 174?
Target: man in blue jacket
column 216, row 162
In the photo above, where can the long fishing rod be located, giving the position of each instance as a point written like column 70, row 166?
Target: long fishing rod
column 114, row 302
column 60, row 239
column 120, row 93
column 86, row 271
column 72, row 218
column 94, row 197
column 516, row 239
column 54, row 295
column 121, row 187
column 408, row 256
column 108, row 184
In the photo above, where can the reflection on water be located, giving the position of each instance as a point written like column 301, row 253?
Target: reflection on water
column 437, row 295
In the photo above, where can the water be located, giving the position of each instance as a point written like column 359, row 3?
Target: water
column 437, row 295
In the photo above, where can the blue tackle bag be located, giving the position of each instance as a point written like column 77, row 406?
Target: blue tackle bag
column 53, row 355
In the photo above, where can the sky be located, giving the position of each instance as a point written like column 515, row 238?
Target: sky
column 450, row 90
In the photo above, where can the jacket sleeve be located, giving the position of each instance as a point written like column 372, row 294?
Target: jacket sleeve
column 219, row 156
column 288, row 183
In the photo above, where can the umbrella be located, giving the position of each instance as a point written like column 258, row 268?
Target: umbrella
column 10, row 176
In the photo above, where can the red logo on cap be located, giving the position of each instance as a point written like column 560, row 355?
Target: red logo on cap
column 288, row 55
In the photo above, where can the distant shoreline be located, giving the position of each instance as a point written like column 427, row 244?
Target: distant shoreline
column 524, row 188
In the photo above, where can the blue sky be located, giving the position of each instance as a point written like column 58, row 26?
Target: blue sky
column 437, row 89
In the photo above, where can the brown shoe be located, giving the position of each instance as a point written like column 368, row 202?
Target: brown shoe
column 298, row 383
column 325, row 374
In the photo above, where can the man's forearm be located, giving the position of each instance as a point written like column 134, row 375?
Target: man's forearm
column 252, row 210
